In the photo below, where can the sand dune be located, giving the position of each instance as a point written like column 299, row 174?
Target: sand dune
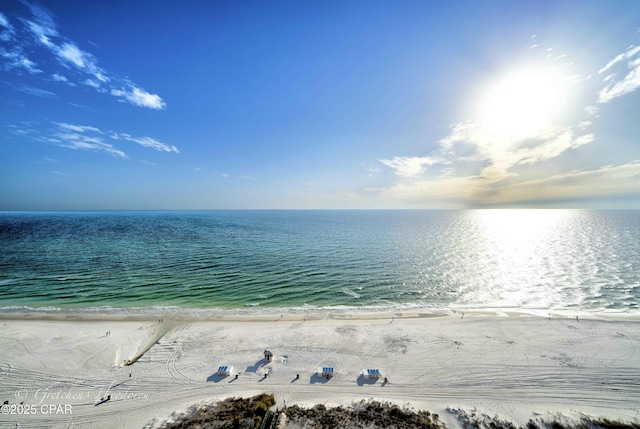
column 511, row 365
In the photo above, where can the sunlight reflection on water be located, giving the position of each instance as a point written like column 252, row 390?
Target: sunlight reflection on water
column 531, row 258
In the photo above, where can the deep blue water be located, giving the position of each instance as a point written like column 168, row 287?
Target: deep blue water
column 299, row 260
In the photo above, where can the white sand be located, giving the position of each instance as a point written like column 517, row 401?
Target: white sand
column 514, row 366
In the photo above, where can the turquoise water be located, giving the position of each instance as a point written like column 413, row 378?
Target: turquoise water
column 309, row 260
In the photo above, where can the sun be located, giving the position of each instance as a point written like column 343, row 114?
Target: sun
column 523, row 103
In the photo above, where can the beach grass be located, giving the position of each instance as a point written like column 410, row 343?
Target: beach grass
column 249, row 413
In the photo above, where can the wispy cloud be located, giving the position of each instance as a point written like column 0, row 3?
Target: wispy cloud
column 17, row 60
column 629, row 82
column 86, row 137
column 82, row 141
column 24, row 129
column 38, row 92
column 92, row 83
column 148, row 142
column 82, row 137
column 408, row 167
column 494, row 156
column 631, row 52
column 77, row 128
column 606, row 181
column 4, row 22
column 139, row 97
column 39, row 28
column 60, row 78
column 13, row 55
column 83, row 60
column 477, row 164
column 472, row 141
column 609, row 180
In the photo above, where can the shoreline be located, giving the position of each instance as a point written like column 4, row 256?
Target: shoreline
column 289, row 314
column 512, row 365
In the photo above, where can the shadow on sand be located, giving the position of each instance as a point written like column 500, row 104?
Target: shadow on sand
column 256, row 366
column 362, row 380
column 217, row 378
column 315, row 378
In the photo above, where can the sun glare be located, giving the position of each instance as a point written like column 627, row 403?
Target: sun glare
column 524, row 103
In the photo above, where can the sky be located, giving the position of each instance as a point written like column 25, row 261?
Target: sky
column 161, row 105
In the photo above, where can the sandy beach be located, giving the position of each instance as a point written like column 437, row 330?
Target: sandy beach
column 80, row 371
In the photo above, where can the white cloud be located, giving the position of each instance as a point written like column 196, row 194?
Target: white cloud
column 24, row 130
column 606, row 181
column 629, row 83
column 78, row 128
column 41, row 25
column 29, row 65
column 629, row 53
column 38, row 92
column 42, row 16
column 86, row 131
column 14, row 56
column 501, row 153
column 409, row 167
column 89, row 138
column 152, row 143
column 553, row 147
column 92, row 83
column 100, row 76
column 4, row 21
column 71, row 53
column 43, row 33
column 17, row 60
column 59, row 78
column 8, row 32
column 82, row 142
column 478, row 161
column 140, row 97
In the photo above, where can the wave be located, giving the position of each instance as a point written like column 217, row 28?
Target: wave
column 255, row 311
column 578, row 261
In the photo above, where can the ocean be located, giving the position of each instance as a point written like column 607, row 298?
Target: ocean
column 205, row 262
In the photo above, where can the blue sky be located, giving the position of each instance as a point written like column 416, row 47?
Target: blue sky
column 345, row 104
